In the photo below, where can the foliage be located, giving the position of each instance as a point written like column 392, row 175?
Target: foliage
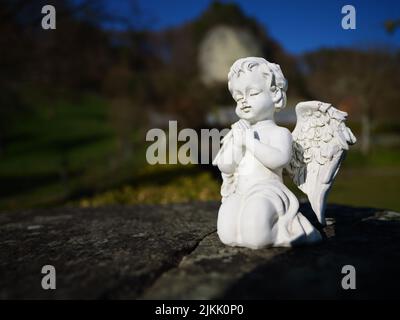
column 195, row 187
column 356, row 80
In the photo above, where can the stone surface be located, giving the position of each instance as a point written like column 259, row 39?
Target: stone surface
column 173, row 252
column 111, row 252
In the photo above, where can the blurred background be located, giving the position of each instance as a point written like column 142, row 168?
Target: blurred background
column 76, row 102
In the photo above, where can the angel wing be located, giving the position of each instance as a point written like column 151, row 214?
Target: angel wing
column 320, row 140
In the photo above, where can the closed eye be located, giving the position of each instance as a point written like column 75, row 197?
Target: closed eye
column 254, row 93
column 239, row 98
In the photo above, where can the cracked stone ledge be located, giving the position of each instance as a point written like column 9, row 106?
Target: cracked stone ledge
column 173, row 252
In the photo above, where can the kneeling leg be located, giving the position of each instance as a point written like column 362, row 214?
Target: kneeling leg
column 228, row 219
column 258, row 223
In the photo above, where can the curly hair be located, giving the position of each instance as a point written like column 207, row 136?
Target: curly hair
column 271, row 71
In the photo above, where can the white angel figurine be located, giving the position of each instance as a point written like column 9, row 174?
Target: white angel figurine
column 257, row 209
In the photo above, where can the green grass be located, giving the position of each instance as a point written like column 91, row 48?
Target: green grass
column 371, row 180
column 58, row 151
column 364, row 187
column 172, row 183
column 369, row 187
column 66, row 152
column 44, row 139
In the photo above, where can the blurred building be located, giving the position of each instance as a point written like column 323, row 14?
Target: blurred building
column 220, row 48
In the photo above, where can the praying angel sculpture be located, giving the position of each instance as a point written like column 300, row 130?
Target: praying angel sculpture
column 257, row 209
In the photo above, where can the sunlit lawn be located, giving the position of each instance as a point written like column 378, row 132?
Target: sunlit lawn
column 370, row 187
column 367, row 187
column 364, row 187
column 371, row 180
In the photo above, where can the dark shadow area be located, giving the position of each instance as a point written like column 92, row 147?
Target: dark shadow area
column 60, row 146
column 17, row 184
column 14, row 185
column 356, row 238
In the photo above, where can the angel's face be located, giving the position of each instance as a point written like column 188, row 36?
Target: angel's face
column 253, row 97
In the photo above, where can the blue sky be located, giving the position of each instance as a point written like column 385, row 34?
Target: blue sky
column 298, row 25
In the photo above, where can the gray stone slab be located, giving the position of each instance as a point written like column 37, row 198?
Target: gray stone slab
column 111, row 252
column 173, row 252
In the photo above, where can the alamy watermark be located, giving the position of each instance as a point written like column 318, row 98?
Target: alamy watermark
column 349, row 18
column 195, row 147
column 49, row 20
column 349, row 280
column 49, row 280
column 189, row 146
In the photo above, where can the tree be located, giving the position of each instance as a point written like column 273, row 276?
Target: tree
column 367, row 78
column 392, row 25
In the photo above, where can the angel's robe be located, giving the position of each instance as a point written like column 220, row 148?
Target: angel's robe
column 254, row 179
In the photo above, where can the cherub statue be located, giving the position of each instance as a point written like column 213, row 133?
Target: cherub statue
column 257, row 209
